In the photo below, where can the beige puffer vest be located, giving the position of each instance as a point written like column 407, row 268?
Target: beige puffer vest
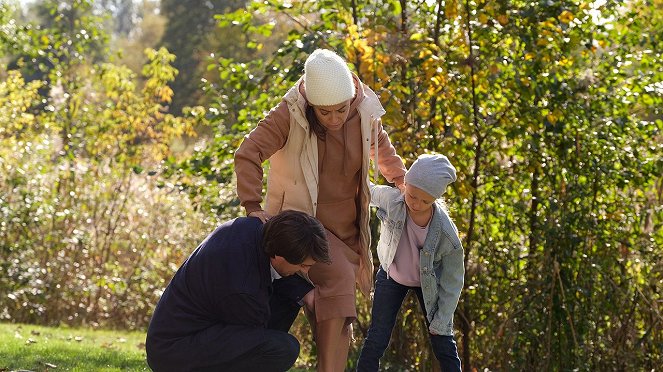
column 294, row 171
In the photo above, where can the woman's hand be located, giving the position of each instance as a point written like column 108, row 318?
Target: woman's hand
column 264, row 216
column 401, row 187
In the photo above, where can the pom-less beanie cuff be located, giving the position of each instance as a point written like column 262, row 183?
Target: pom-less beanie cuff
column 432, row 173
column 327, row 79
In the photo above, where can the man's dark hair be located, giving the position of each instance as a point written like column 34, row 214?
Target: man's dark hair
column 295, row 236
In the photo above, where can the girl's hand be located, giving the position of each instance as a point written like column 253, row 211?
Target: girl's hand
column 262, row 215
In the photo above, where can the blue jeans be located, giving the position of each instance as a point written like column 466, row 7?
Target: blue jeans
column 387, row 301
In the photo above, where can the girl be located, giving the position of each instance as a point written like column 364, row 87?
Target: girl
column 419, row 250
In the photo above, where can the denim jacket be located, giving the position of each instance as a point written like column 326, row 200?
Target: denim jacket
column 442, row 269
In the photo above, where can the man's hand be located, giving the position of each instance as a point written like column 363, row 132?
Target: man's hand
column 264, row 216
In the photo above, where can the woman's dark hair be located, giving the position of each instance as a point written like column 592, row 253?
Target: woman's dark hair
column 295, row 236
column 314, row 123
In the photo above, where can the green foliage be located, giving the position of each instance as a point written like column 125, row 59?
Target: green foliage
column 16, row 98
column 577, row 177
column 67, row 34
column 552, row 115
column 87, row 236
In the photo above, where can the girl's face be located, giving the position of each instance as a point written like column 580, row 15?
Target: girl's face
column 333, row 117
column 418, row 201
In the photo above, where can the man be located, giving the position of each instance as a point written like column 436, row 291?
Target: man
column 215, row 313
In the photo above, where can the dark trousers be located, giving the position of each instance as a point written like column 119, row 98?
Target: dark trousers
column 387, row 301
column 267, row 350
column 277, row 353
column 225, row 348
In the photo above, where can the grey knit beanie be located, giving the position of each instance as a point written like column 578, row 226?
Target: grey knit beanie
column 431, row 173
column 327, row 79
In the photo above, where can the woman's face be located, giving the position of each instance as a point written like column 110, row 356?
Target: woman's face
column 333, row 117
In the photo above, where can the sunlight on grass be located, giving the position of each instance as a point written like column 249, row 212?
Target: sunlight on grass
column 37, row 348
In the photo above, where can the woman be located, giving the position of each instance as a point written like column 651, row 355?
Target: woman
column 319, row 140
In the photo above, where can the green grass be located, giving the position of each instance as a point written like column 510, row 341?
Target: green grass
column 36, row 348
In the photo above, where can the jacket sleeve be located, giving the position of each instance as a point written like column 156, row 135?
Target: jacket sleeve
column 259, row 145
column 244, row 309
column 449, row 286
column 390, row 164
column 381, row 195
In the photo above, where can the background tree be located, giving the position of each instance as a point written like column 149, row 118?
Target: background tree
column 124, row 15
column 139, row 26
column 189, row 34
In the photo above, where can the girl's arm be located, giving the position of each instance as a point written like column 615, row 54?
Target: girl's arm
column 381, row 195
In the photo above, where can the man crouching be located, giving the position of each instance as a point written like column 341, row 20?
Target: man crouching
column 215, row 313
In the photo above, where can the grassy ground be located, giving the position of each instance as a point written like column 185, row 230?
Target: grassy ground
column 35, row 348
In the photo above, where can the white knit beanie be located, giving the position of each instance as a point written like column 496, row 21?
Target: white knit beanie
column 431, row 173
column 327, row 79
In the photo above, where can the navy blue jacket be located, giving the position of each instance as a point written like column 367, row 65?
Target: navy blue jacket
column 225, row 284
